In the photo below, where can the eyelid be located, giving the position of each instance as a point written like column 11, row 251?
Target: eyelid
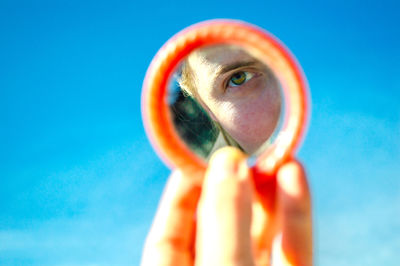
column 254, row 69
column 249, row 75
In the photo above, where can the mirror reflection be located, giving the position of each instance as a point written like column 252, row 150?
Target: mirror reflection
column 223, row 95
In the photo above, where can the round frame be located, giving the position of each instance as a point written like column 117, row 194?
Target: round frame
column 156, row 116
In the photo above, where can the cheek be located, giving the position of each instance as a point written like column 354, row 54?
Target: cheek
column 253, row 121
column 257, row 119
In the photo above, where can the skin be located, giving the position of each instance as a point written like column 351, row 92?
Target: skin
column 250, row 111
column 220, row 218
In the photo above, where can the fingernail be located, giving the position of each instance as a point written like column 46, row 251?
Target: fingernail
column 289, row 178
column 243, row 169
column 225, row 162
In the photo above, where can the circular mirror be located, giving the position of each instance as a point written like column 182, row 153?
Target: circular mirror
column 224, row 83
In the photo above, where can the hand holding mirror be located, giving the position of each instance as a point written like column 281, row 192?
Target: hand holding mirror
column 224, row 83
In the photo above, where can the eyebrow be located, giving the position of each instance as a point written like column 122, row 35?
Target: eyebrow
column 236, row 65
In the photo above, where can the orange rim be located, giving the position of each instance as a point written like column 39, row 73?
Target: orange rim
column 158, row 123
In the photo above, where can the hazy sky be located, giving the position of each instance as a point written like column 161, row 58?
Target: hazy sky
column 79, row 181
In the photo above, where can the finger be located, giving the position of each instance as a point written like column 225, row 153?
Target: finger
column 295, row 208
column 224, row 217
column 171, row 237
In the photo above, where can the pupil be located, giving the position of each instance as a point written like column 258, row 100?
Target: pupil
column 238, row 78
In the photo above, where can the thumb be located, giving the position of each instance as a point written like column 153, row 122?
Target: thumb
column 224, row 217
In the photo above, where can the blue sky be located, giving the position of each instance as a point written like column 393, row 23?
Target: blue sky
column 79, row 181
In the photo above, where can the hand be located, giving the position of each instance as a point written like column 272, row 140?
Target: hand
column 226, row 221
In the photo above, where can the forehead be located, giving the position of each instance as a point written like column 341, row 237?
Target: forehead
column 211, row 60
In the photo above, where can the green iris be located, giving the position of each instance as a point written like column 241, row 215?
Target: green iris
column 238, row 78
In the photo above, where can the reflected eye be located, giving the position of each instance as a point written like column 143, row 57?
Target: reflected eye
column 239, row 78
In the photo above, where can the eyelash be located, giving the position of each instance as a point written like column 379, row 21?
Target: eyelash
column 248, row 76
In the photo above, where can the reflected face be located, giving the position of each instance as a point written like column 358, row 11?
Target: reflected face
column 238, row 91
